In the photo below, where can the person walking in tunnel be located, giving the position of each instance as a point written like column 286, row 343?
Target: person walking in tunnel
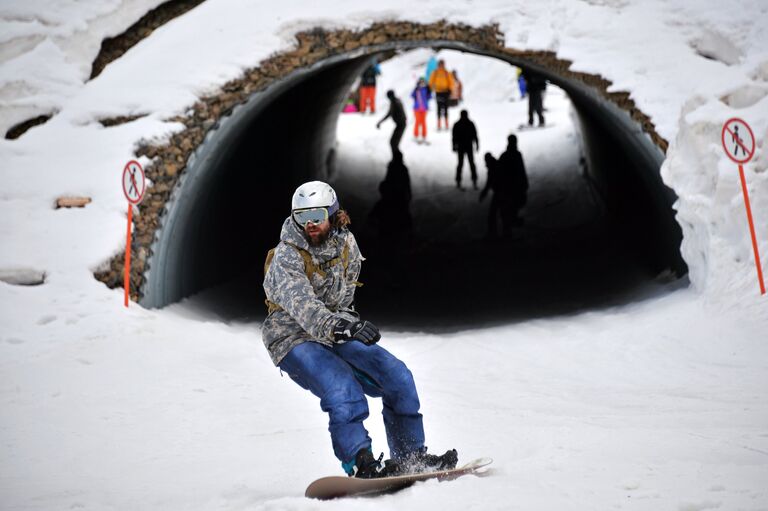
column 441, row 83
column 465, row 143
column 391, row 215
column 313, row 334
column 397, row 113
column 521, row 83
column 535, row 84
column 431, row 66
column 457, row 91
column 368, row 87
column 511, row 170
column 421, row 96
column 500, row 185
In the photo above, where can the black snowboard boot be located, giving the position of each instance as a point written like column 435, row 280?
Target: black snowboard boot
column 421, row 461
column 366, row 466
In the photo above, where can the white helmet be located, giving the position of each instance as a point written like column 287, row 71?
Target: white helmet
column 315, row 194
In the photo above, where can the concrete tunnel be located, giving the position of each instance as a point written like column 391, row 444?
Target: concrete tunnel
column 226, row 210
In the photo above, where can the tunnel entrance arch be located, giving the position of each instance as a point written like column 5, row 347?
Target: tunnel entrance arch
column 192, row 234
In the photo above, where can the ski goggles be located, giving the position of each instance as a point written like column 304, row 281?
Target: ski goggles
column 314, row 215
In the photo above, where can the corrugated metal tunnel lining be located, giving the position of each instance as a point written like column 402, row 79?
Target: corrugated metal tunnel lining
column 227, row 207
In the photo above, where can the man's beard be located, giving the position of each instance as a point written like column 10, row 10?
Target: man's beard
column 320, row 238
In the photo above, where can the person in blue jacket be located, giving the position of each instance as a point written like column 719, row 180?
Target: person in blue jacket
column 421, row 96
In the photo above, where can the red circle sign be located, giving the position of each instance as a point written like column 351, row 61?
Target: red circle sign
column 738, row 139
column 134, row 182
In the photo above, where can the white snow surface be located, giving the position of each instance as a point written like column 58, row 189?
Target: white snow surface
column 659, row 404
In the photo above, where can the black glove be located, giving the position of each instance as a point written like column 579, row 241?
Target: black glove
column 363, row 331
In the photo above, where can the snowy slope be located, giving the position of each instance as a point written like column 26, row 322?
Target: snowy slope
column 656, row 405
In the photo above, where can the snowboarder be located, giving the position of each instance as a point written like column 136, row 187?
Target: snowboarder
column 368, row 87
column 421, row 96
column 465, row 142
column 397, row 113
column 535, row 84
column 512, row 168
column 314, row 334
column 441, row 83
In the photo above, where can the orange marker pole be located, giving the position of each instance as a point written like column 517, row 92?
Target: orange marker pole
column 752, row 230
column 127, row 268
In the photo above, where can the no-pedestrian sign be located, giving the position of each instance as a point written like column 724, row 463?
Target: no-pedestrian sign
column 134, row 182
column 739, row 144
column 738, row 140
column 134, row 185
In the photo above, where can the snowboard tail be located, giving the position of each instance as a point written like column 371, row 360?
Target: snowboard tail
column 334, row 487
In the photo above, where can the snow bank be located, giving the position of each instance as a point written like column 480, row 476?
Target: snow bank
column 47, row 48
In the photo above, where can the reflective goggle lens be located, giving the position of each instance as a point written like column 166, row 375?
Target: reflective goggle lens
column 314, row 215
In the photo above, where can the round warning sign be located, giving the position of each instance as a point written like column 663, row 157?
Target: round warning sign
column 738, row 140
column 134, row 182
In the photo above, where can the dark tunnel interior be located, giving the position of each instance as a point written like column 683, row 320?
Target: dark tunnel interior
column 228, row 209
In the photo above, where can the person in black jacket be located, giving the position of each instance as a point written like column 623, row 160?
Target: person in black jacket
column 465, row 142
column 397, row 113
column 535, row 84
column 512, row 169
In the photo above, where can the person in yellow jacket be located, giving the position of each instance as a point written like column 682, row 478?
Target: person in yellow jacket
column 441, row 83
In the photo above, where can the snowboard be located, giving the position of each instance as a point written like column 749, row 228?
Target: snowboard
column 334, row 487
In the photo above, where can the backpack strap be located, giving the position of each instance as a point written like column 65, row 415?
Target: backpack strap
column 310, row 268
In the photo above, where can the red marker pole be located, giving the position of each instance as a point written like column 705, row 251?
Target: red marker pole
column 127, row 269
column 752, row 230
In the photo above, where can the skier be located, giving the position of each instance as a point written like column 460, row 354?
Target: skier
column 512, row 168
column 397, row 113
column 465, row 142
column 441, row 83
column 536, row 85
column 368, row 87
column 421, row 96
column 314, row 334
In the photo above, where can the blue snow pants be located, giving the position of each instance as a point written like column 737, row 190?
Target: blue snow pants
column 341, row 377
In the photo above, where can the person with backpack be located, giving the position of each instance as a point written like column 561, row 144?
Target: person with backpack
column 368, row 87
column 465, row 143
column 441, row 83
column 397, row 113
column 421, row 96
column 314, row 334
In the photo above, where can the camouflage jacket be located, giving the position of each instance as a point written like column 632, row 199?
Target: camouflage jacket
column 310, row 307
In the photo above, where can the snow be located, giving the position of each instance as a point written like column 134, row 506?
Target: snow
column 657, row 404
